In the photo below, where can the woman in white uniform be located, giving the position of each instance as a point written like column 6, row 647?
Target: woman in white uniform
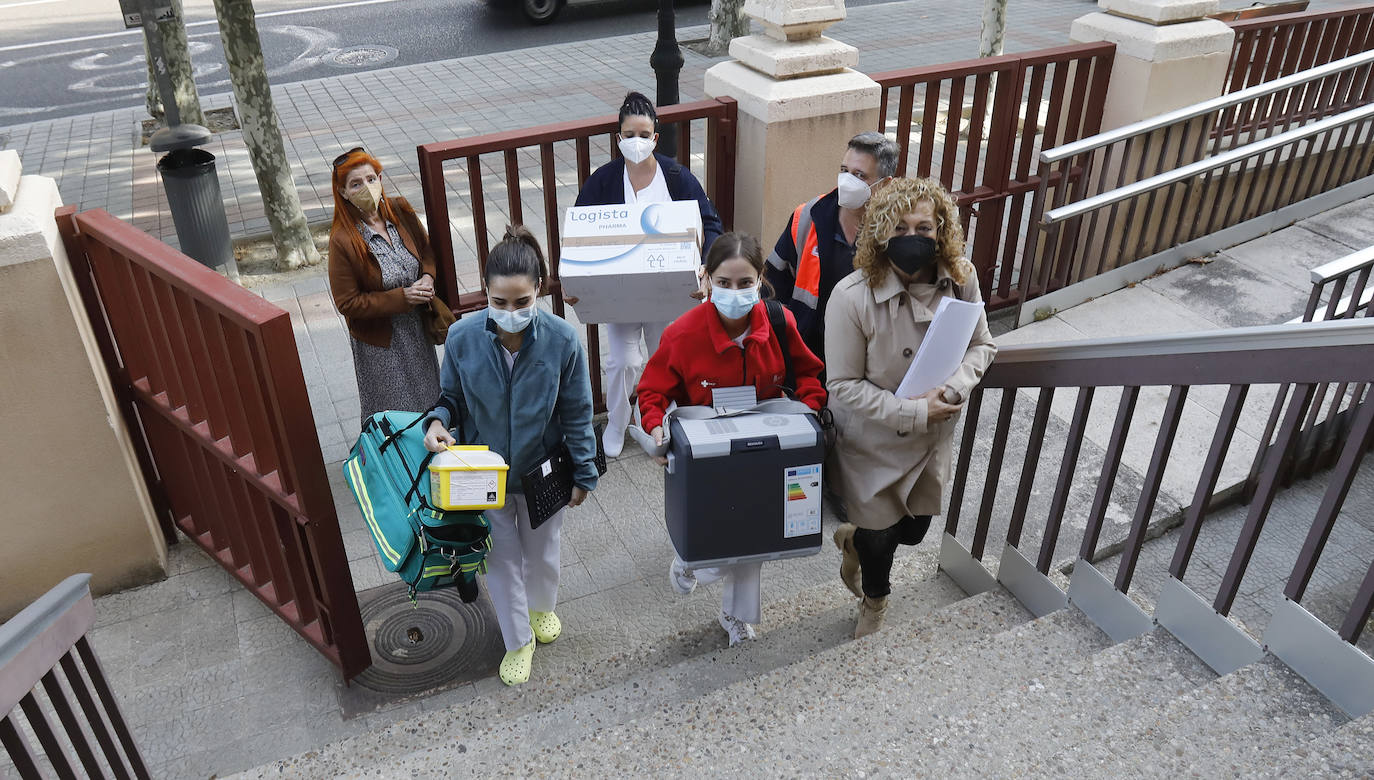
column 640, row 175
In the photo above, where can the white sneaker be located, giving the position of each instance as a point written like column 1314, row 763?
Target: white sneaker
column 736, row 628
column 682, row 580
column 613, row 441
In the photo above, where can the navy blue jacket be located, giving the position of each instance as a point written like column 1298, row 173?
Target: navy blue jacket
column 606, row 187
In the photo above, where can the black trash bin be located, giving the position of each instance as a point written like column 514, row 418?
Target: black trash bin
column 188, row 176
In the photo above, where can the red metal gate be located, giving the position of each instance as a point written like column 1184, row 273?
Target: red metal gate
column 978, row 127
column 210, row 386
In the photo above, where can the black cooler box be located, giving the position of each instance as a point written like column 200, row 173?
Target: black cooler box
column 744, row 488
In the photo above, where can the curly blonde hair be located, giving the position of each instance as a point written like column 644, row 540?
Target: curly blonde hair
column 895, row 200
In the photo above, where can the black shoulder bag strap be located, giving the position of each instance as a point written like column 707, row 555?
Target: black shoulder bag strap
column 778, row 322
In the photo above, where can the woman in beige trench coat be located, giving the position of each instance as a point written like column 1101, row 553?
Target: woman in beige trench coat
column 892, row 455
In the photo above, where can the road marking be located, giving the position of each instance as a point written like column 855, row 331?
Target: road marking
column 102, row 36
column 26, row 2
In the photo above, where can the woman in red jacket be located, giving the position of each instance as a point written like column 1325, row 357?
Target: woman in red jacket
column 728, row 344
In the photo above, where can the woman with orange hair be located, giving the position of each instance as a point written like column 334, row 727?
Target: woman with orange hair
column 381, row 274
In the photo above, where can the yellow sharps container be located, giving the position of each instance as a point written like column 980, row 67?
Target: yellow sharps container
column 468, row 477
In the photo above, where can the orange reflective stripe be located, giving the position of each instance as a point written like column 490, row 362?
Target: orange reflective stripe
column 796, row 224
column 809, row 265
column 808, row 260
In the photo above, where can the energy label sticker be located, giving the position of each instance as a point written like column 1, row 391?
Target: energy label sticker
column 801, row 501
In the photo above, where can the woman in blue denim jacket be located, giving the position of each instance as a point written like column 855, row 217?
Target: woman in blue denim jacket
column 518, row 377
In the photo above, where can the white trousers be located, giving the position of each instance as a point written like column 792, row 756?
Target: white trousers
column 522, row 568
column 623, row 362
column 740, row 598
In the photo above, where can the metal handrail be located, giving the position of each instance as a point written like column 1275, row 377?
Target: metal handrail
column 1343, row 266
column 45, row 638
column 1203, row 166
column 1337, row 351
column 1269, row 337
column 1206, row 107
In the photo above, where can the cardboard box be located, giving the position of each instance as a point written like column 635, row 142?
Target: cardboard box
column 631, row 263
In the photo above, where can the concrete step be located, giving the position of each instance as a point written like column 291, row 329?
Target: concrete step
column 885, row 698
column 1346, row 752
column 613, row 684
column 1073, row 702
column 1239, row 725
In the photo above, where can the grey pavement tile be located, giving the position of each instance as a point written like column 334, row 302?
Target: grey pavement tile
column 263, row 634
column 248, row 607
column 1351, row 224
column 358, row 544
column 1287, row 255
column 1233, row 294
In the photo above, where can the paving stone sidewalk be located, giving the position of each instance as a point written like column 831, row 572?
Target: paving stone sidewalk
column 98, row 162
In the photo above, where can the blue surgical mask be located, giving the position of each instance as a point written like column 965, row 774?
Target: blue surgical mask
column 734, row 304
column 511, row 321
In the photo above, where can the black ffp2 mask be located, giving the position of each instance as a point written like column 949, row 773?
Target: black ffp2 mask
column 911, row 254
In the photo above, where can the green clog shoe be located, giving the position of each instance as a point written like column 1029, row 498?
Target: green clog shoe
column 547, row 627
column 515, row 667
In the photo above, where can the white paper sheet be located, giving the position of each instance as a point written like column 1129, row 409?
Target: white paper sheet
column 943, row 348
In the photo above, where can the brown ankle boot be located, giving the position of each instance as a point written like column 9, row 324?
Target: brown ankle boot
column 849, row 560
column 871, row 613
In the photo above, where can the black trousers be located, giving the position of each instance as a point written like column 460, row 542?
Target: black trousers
column 876, row 548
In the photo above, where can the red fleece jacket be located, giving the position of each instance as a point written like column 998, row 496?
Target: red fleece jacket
column 695, row 357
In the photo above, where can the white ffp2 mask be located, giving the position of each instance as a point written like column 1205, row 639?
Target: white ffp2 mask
column 853, row 193
column 637, row 149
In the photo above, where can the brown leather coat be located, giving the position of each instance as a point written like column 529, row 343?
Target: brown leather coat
column 356, row 282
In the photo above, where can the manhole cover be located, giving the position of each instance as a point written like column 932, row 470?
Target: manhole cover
column 438, row 643
column 362, row 56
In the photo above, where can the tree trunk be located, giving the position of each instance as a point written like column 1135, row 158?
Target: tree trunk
column 238, row 31
column 728, row 22
column 177, row 53
column 994, row 28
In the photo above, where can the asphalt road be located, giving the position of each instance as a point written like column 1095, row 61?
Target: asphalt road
column 66, row 57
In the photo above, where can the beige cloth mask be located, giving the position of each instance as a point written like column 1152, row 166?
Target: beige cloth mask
column 367, row 198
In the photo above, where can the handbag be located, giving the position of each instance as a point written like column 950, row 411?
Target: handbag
column 438, row 317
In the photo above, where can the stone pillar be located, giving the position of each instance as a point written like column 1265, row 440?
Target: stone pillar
column 1168, row 54
column 800, row 101
column 74, row 500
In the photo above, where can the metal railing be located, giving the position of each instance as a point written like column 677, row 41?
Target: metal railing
column 48, row 635
column 1146, row 383
column 1147, row 188
column 487, row 195
column 1344, row 285
column 978, row 125
column 1271, row 47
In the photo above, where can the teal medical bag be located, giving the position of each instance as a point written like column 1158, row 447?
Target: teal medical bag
column 427, row 547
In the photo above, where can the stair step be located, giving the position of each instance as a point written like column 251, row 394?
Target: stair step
column 795, row 627
column 1346, row 752
column 1074, row 702
column 1239, row 725
column 881, row 697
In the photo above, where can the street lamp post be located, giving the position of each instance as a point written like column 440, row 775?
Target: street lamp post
column 667, row 64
